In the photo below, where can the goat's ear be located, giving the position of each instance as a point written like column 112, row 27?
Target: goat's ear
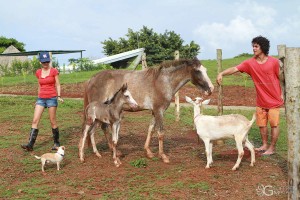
column 188, row 99
column 206, row 102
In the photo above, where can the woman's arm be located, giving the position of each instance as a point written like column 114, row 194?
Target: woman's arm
column 57, row 84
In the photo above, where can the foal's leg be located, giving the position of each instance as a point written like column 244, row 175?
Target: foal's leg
column 149, row 135
column 82, row 142
column 115, row 128
column 92, row 132
column 105, row 128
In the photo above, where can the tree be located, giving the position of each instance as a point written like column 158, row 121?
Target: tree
column 6, row 42
column 158, row 47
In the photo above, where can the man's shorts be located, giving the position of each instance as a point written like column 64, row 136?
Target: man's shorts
column 47, row 102
column 263, row 115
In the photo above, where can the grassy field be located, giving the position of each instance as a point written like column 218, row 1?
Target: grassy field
column 77, row 77
column 22, row 179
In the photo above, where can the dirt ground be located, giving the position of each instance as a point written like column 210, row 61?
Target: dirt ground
column 185, row 177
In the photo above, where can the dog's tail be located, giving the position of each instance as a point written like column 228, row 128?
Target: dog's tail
column 37, row 157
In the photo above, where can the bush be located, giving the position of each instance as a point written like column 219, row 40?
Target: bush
column 85, row 64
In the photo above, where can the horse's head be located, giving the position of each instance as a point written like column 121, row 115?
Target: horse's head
column 128, row 97
column 200, row 78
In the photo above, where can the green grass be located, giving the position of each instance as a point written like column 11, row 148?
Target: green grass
column 237, row 79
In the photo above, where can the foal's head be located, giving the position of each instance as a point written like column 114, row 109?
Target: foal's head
column 200, row 78
column 123, row 96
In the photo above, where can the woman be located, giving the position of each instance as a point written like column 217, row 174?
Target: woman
column 48, row 94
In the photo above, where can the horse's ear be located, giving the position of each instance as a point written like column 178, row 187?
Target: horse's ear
column 124, row 87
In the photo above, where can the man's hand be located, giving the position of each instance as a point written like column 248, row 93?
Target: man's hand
column 219, row 79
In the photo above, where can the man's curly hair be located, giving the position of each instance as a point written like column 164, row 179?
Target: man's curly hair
column 263, row 42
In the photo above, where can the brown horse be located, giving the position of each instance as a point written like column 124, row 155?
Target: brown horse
column 152, row 89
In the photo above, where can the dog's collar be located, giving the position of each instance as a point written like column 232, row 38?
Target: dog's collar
column 61, row 154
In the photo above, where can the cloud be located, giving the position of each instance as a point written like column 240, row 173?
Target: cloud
column 229, row 36
column 262, row 15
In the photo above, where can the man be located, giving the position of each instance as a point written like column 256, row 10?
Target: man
column 264, row 71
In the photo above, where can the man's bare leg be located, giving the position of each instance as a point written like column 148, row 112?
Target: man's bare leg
column 264, row 137
column 274, row 135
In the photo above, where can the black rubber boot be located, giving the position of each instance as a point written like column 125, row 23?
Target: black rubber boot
column 32, row 137
column 55, row 133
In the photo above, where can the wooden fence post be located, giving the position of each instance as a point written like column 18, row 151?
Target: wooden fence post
column 281, row 55
column 292, row 81
column 177, row 106
column 144, row 63
column 220, row 95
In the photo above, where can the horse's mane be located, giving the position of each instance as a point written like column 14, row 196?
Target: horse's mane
column 111, row 100
column 156, row 70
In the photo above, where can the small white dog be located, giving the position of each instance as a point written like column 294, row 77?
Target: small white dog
column 52, row 157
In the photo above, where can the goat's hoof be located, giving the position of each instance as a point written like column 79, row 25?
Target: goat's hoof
column 98, row 155
column 234, row 168
column 207, row 167
column 251, row 164
column 81, row 160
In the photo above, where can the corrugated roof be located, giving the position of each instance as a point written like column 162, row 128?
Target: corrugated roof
column 33, row 53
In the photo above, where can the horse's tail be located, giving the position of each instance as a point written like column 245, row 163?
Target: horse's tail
column 85, row 104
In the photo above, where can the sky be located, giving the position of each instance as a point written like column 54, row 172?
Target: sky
column 229, row 25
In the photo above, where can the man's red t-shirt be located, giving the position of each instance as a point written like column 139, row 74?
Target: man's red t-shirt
column 266, row 80
column 47, row 84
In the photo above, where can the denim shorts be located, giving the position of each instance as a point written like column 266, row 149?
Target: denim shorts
column 47, row 102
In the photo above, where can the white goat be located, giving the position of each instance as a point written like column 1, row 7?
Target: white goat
column 211, row 128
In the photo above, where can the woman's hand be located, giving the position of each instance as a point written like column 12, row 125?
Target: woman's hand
column 60, row 99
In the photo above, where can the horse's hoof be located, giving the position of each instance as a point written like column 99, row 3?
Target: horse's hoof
column 117, row 162
column 150, row 155
column 165, row 158
column 119, row 153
